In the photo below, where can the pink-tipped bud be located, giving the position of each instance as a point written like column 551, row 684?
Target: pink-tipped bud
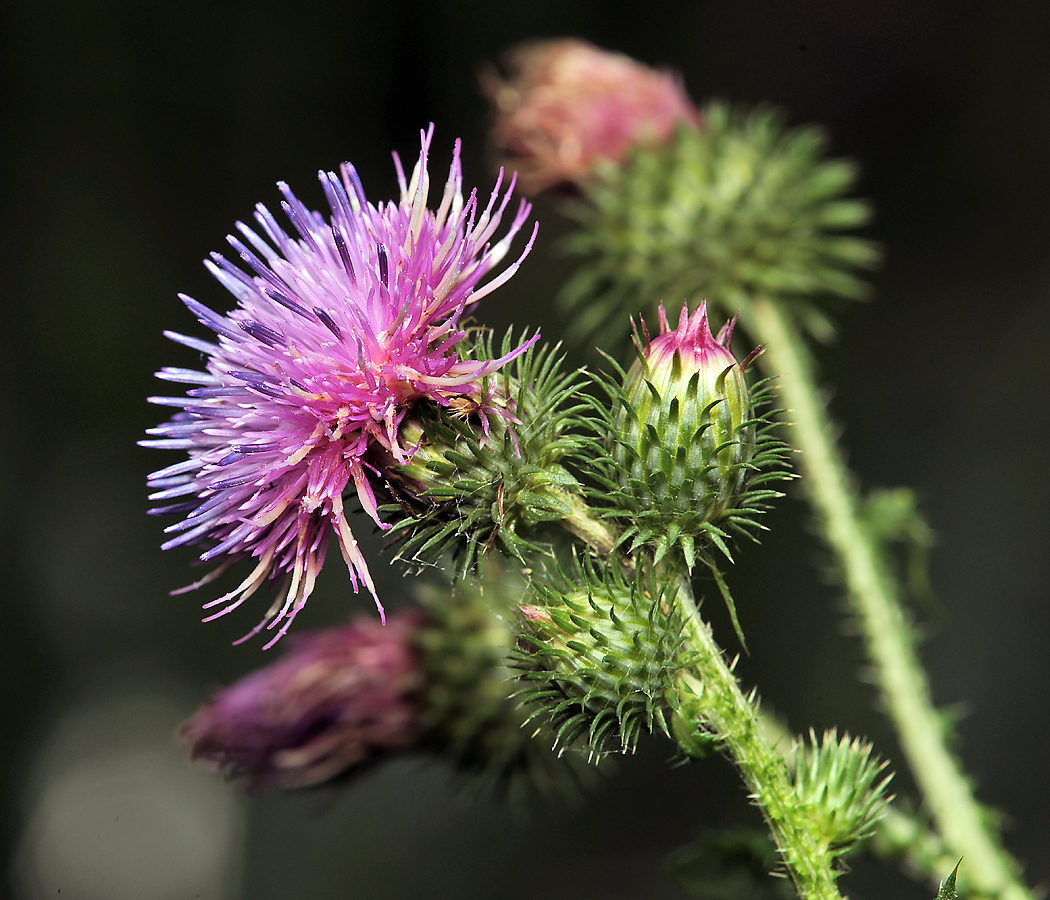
column 570, row 105
column 685, row 435
column 341, row 698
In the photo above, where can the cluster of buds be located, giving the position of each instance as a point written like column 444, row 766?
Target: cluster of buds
column 346, row 372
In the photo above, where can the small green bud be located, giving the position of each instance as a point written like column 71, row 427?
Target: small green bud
column 838, row 783
column 684, row 438
column 738, row 208
column 599, row 655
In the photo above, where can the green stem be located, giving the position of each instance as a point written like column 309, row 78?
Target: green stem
column 899, row 834
column 581, row 523
column 905, row 837
column 875, row 597
column 710, row 697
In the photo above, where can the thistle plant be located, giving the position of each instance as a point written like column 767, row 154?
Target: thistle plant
column 563, row 522
column 754, row 218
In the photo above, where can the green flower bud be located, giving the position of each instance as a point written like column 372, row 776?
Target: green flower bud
column 737, row 208
column 842, row 787
column 684, row 438
column 599, row 655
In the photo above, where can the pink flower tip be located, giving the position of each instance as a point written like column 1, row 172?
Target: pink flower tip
column 692, row 340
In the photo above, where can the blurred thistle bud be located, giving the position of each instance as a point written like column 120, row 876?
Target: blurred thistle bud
column 477, row 481
column 341, row 698
column 471, row 715
column 685, row 442
column 434, row 680
column 570, row 105
column 741, row 208
column 600, row 652
column 842, row 787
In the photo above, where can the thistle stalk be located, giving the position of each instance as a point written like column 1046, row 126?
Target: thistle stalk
column 709, row 701
column 874, row 596
column 899, row 834
column 581, row 524
column 711, row 698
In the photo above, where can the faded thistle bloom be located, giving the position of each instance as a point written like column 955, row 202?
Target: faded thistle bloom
column 338, row 700
column 570, row 105
column 340, row 328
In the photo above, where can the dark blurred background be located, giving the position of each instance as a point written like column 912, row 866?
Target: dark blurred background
column 135, row 134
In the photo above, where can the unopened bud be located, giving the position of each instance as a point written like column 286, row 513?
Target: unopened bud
column 476, row 481
column 684, row 434
column 842, row 788
column 600, row 659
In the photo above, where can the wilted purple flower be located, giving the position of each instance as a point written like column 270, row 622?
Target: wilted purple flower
column 340, row 698
column 339, row 329
column 570, row 105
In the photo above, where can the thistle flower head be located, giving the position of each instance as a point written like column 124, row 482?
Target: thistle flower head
column 339, row 699
column 341, row 327
column 571, row 105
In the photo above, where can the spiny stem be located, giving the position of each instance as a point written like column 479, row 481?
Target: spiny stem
column 711, row 697
column 875, row 597
column 899, row 834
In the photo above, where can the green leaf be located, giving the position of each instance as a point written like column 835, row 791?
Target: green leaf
column 947, row 890
column 730, row 605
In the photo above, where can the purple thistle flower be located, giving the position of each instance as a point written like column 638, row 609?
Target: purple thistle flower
column 341, row 698
column 340, row 328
